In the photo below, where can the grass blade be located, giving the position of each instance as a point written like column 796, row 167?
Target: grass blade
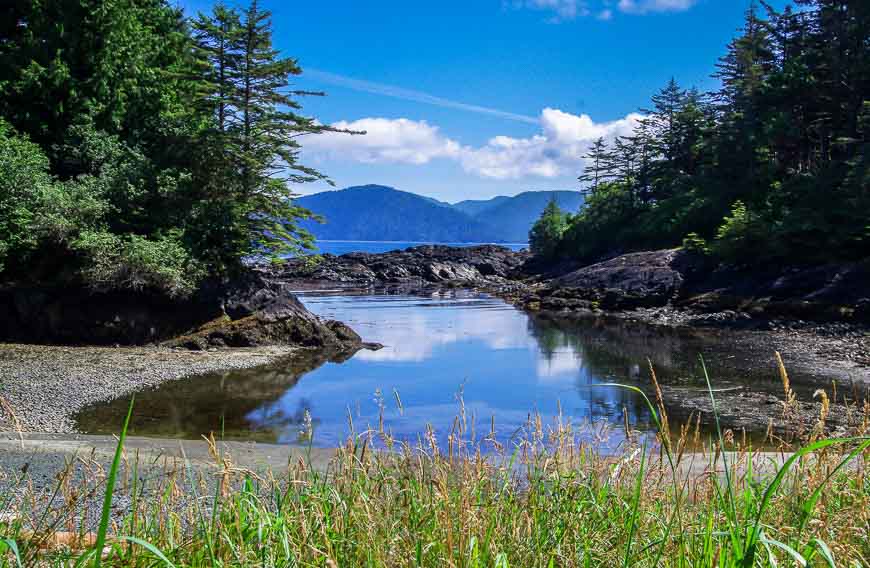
column 796, row 556
column 819, row 546
column 755, row 532
column 638, row 487
column 10, row 544
column 110, row 488
column 150, row 548
column 810, row 504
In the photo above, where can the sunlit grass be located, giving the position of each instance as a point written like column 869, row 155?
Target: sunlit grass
column 550, row 499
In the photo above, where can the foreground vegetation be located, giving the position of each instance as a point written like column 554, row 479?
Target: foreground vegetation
column 772, row 167
column 548, row 499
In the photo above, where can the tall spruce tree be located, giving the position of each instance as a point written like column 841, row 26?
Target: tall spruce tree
column 256, row 116
column 598, row 167
column 218, row 41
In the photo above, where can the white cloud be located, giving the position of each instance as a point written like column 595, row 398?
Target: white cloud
column 386, row 140
column 553, row 152
column 646, row 6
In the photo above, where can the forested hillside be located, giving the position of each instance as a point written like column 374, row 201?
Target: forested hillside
column 475, row 206
column 770, row 168
column 380, row 213
column 140, row 149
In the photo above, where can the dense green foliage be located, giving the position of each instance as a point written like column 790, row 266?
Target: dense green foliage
column 548, row 230
column 141, row 150
column 773, row 167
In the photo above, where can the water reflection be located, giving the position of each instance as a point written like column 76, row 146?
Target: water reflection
column 501, row 362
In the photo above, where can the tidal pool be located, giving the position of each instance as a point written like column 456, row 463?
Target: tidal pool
column 446, row 355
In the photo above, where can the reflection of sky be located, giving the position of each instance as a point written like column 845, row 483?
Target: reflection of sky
column 434, row 347
column 558, row 365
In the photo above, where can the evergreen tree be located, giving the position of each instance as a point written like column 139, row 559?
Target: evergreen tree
column 547, row 231
column 218, row 40
column 266, row 130
column 599, row 166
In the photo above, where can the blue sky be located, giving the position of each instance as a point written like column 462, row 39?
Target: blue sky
column 476, row 98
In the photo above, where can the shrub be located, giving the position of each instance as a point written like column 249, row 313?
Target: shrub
column 693, row 242
column 608, row 222
column 137, row 263
column 24, row 178
column 741, row 236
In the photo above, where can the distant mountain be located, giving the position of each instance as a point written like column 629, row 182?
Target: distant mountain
column 381, row 213
column 474, row 207
column 513, row 217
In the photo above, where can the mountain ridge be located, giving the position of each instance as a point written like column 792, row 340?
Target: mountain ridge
column 381, row 213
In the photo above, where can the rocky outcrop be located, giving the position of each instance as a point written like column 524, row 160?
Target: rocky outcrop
column 637, row 280
column 484, row 265
column 819, row 293
column 251, row 310
column 657, row 281
column 632, row 280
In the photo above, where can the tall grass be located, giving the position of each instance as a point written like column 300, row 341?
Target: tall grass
column 550, row 499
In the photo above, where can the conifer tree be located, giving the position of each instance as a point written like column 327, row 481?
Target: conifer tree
column 599, row 166
column 547, row 231
column 257, row 115
column 218, row 41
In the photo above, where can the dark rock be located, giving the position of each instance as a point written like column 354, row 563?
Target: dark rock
column 701, row 293
column 484, row 265
column 643, row 279
column 817, row 293
column 250, row 310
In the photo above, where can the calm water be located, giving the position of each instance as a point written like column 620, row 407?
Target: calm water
column 500, row 361
column 344, row 247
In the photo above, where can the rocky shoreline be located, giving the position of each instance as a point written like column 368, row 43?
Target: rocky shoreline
column 261, row 320
column 414, row 269
column 817, row 317
column 46, row 385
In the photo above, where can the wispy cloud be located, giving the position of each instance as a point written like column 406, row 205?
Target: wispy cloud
column 411, row 95
column 646, row 6
column 562, row 9
column 567, row 10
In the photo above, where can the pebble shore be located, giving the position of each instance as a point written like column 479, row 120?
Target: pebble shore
column 44, row 386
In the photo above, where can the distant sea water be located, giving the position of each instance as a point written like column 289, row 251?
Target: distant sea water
column 344, row 247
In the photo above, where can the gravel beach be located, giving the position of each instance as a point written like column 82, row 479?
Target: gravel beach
column 46, row 385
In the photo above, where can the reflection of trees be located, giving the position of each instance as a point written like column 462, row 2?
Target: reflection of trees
column 215, row 402
column 612, row 350
column 549, row 338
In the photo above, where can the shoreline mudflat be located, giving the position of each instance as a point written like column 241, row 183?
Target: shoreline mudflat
column 44, row 386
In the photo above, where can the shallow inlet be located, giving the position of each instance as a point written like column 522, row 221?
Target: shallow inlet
column 443, row 352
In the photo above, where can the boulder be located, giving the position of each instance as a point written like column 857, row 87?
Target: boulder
column 643, row 279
